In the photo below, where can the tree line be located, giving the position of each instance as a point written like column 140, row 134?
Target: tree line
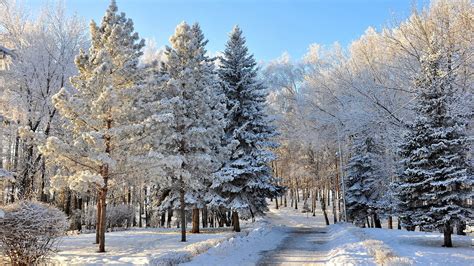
column 93, row 127
column 382, row 127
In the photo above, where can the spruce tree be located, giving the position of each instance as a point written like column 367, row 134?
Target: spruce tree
column 196, row 104
column 363, row 180
column 245, row 180
column 435, row 185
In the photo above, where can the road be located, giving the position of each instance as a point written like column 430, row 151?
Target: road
column 302, row 246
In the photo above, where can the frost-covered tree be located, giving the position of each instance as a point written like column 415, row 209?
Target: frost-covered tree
column 42, row 60
column 363, row 179
column 436, row 184
column 104, row 114
column 245, row 180
column 195, row 102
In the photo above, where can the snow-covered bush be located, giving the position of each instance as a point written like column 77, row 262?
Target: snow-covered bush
column 117, row 216
column 29, row 231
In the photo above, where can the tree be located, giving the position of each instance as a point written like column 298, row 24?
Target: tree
column 363, row 176
column 192, row 143
column 103, row 115
column 42, row 61
column 436, row 184
column 245, row 180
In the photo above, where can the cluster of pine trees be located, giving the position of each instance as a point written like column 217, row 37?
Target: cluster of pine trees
column 434, row 187
column 193, row 129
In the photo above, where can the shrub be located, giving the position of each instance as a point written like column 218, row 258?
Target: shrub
column 119, row 215
column 29, row 231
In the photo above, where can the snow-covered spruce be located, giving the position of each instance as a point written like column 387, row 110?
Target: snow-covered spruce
column 435, row 186
column 364, row 180
column 29, row 231
column 245, row 180
column 191, row 143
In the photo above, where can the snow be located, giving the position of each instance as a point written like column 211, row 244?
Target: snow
column 244, row 248
column 136, row 246
column 285, row 236
column 424, row 248
column 293, row 234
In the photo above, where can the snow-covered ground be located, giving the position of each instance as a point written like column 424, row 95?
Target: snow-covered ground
column 423, row 248
column 292, row 238
column 285, row 236
column 136, row 246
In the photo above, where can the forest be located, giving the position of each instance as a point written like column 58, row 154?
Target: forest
column 101, row 130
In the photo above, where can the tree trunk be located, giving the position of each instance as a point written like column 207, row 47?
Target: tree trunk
column 334, row 213
column 183, row 212
column 399, row 225
column 44, row 197
column 102, row 227
column 296, row 198
column 104, row 172
column 204, row 217
column 447, row 235
column 390, row 222
column 170, row 215
column 195, row 229
column 276, row 203
column 163, row 219
column 323, row 208
column 377, row 222
column 140, row 211
column 145, row 207
column 211, row 220
column 98, row 217
column 67, row 203
column 79, row 222
column 228, row 218
column 235, row 221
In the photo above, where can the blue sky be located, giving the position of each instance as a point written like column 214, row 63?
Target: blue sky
column 271, row 26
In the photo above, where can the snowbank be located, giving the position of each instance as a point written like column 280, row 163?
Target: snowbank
column 381, row 253
column 422, row 248
column 185, row 255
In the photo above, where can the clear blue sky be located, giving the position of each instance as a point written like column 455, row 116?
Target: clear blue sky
column 271, row 26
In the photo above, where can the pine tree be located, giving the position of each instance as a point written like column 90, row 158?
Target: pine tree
column 102, row 113
column 245, row 180
column 196, row 104
column 435, row 185
column 363, row 180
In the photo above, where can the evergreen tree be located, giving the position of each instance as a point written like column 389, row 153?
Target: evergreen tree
column 196, row 103
column 363, row 180
column 435, row 185
column 245, row 180
column 107, row 125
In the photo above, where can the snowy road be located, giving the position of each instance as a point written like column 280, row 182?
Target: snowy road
column 290, row 238
column 301, row 247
